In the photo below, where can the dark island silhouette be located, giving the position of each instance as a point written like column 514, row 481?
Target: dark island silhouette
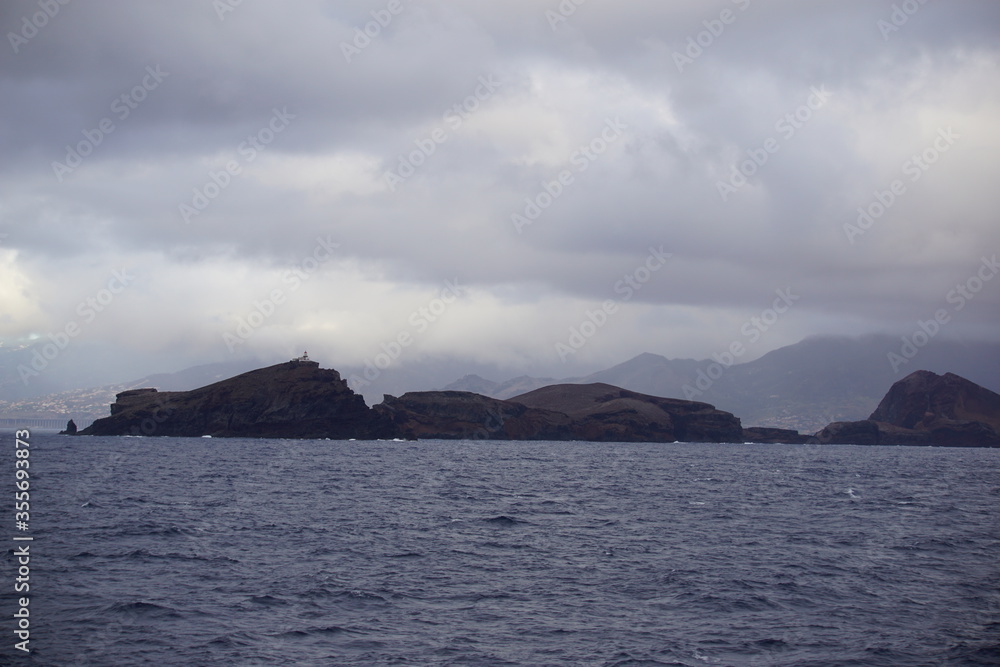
column 298, row 399
column 925, row 408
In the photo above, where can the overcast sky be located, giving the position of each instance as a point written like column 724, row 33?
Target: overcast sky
column 474, row 180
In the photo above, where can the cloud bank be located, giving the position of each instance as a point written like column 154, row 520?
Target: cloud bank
column 485, row 179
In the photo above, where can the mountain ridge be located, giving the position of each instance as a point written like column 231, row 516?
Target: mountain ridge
column 298, row 399
column 804, row 386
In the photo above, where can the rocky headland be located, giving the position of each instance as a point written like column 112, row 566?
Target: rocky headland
column 298, row 399
column 595, row 412
column 466, row 415
column 603, row 412
column 295, row 399
column 925, row 408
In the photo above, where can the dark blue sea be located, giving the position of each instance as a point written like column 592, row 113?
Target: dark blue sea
column 172, row 551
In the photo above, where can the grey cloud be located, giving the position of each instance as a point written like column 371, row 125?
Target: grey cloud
column 657, row 184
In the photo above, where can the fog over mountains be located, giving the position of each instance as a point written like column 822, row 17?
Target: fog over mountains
column 802, row 386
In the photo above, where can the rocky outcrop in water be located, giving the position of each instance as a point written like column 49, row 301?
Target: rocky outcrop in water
column 604, row 412
column 925, row 408
column 594, row 412
column 296, row 399
column 468, row 416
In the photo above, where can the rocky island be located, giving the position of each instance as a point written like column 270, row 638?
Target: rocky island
column 295, row 399
column 298, row 399
column 597, row 412
column 925, row 408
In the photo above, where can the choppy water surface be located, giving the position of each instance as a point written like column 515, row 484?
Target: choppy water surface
column 240, row 552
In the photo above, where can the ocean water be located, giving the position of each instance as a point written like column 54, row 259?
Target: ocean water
column 172, row 551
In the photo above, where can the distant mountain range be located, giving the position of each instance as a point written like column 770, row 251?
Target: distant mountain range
column 86, row 405
column 804, row 386
column 298, row 399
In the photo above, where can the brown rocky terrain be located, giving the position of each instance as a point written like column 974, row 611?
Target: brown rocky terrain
column 604, row 412
column 925, row 408
column 465, row 415
column 298, row 399
column 594, row 412
column 295, row 399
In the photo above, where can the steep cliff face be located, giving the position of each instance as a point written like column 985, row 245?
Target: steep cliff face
column 926, row 409
column 465, row 415
column 595, row 412
column 295, row 399
column 864, row 432
column 923, row 399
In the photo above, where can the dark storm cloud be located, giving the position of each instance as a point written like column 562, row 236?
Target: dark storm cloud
column 419, row 146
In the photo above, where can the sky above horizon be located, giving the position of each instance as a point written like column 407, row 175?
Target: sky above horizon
column 543, row 187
